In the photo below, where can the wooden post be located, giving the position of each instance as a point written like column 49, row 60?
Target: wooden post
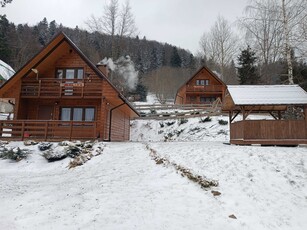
column 46, row 130
column 305, row 115
column 39, row 87
column 22, row 130
column 70, row 130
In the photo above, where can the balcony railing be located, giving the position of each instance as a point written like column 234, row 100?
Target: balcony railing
column 58, row 88
column 205, row 88
column 47, row 130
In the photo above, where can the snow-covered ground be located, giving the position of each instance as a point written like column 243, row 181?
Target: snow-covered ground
column 124, row 187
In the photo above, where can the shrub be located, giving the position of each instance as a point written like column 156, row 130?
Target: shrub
column 178, row 132
column 182, row 121
column 161, row 124
column 169, row 123
column 222, row 132
column 206, row 119
column 153, row 111
column 223, row 122
column 15, row 154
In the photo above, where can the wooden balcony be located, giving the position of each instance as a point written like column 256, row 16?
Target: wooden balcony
column 268, row 132
column 61, row 88
column 47, row 130
column 205, row 88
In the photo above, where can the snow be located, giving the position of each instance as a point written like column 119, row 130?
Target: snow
column 6, row 71
column 124, row 188
column 267, row 94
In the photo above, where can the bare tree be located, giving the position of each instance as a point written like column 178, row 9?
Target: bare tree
column 126, row 25
column 220, row 44
column 276, row 28
column 114, row 21
column 165, row 81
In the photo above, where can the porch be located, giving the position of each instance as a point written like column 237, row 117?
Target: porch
column 61, row 88
column 50, row 130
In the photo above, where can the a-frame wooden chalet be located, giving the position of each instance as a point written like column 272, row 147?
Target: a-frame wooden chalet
column 61, row 95
column 204, row 87
column 270, row 99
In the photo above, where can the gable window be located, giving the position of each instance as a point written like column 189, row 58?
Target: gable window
column 202, row 82
column 70, row 73
column 77, row 114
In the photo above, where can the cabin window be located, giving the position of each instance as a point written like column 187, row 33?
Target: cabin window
column 202, row 82
column 77, row 114
column 70, row 73
column 207, row 100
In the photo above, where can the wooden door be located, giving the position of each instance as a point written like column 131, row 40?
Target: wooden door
column 45, row 112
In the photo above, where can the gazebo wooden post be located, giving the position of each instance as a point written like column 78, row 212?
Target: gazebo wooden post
column 305, row 117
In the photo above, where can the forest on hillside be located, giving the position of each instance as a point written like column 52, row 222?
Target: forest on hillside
column 270, row 47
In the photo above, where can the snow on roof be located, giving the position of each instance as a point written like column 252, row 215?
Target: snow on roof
column 267, row 94
column 6, row 71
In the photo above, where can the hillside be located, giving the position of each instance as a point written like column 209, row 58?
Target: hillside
column 153, row 184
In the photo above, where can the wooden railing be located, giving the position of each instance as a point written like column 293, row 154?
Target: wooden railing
column 205, row 88
column 57, row 88
column 47, row 130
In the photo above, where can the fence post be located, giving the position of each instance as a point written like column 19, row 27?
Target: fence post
column 46, row 130
column 70, row 131
column 22, row 130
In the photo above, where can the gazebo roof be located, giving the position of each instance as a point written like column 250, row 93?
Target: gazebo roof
column 264, row 97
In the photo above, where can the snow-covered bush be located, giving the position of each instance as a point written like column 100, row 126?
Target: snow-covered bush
column 206, row 119
column 15, row 154
column 182, row 121
column 223, row 122
column 43, row 146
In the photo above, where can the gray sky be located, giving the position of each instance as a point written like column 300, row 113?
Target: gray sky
column 177, row 22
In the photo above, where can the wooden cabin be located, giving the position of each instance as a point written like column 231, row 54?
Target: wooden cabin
column 204, row 87
column 273, row 100
column 61, row 95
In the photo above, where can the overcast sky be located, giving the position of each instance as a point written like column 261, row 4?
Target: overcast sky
column 177, row 22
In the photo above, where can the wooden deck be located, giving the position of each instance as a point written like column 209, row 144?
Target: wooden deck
column 47, row 130
column 268, row 132
column 61, row 88
column 205, row 88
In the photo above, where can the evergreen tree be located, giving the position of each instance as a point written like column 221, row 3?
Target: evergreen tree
column 4, row 39
column 247, row 70
column 175, row 58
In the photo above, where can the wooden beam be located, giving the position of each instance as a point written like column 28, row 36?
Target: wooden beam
column 234, row 117
column 271, row 113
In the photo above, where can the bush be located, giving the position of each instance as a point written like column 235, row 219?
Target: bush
column 182, row 121
column 222, row 132
column 44, row 146
column 161, row 124
column 169, row 123
column 15, row 154
column 178, row 132
column 223, row 122
column 206, row 119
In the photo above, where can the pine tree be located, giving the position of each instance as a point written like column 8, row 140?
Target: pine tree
column 4, row 39
column 175, row 58
column 247, row 70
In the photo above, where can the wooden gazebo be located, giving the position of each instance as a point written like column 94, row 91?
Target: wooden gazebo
column 270, row 99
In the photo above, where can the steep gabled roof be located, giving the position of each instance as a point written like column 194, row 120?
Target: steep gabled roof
column 49, row 49
column 264, row 97
column 197, row 72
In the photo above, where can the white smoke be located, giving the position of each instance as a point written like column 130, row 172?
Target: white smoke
column 123, row 68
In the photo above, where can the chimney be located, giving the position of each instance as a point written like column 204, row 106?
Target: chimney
column 104, row 69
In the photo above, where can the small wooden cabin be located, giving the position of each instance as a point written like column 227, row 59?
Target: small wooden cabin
column 204, row 87
column 61, row 95
column 272, row 100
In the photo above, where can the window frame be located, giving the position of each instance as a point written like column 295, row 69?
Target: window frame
column 64, row 73
column 202, row 82
column 72, row 113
